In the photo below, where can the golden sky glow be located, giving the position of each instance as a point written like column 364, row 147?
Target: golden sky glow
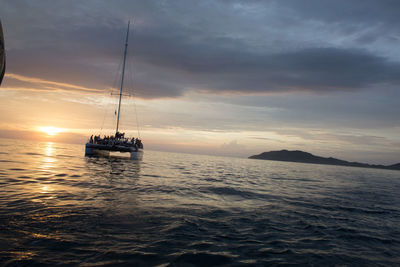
column 178, row 125
column 48, row 85
column 232, row 80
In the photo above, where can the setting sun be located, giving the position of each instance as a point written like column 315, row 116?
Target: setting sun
column 50, row 130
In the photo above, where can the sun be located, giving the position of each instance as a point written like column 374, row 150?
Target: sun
column 50, row 130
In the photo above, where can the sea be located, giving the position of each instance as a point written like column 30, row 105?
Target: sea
column 60, row 208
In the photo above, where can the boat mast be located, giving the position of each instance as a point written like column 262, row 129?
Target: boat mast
column 122, row 77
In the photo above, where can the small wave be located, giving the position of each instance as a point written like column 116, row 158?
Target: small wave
column 43, row 178
column 178, row 168
column 64, row 156
column 229, row 191
column 361, row 210
column 368, row 238
column 12, row 180
column 181, row 227
column 277, row 251
column 295, row 179
column 201, row 245
column 152, row 175
column 319, row 230
column 203, row 259
column 137, row 258
column 27, row 182
column 346, row 230
column 8, row 161
column 33, row 154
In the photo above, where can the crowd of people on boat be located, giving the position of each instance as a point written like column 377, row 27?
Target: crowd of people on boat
column 118, row 140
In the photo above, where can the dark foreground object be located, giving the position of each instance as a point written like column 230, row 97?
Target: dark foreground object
column 2, row 55
column 305, row 157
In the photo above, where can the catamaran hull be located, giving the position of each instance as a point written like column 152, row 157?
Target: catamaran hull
column 137, row 155
column 96, row 152
column 104, row 150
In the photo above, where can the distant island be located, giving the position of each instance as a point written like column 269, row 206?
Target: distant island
column 305, row 157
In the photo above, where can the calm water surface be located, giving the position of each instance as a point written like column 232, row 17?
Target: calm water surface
column 58, row 207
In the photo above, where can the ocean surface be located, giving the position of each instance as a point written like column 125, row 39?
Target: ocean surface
column 58, row 207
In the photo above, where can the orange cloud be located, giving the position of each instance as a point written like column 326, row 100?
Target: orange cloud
column 45, row 84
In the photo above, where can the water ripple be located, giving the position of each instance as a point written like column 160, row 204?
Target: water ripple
column 58, row 207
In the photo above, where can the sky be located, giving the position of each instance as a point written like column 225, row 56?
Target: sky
column 231, row 78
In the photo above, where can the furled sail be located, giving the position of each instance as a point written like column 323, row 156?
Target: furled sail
column 2, row 55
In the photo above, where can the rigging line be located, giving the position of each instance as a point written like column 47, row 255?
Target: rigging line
column 137, row 121
column 134, row 102
column 108, row 108
column 135, row 108
column 122, row 77
column 115, row 89
column 110, row 90
column 130, row 75
column 134, row 105
column 117, row 84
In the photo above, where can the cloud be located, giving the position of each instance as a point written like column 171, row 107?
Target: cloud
column 29, row 83
column 241, row 47
column 364, row 12
column 313, row 69
column 340, row 139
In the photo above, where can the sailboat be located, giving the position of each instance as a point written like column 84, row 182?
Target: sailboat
column 2, row 55
column 118, row 143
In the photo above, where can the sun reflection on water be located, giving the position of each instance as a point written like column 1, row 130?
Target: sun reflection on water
column 45, row 189
column 48, row 161
column 22, row 255
column 49, row 149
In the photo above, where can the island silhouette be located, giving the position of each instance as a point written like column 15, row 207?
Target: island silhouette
column 305, row 157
